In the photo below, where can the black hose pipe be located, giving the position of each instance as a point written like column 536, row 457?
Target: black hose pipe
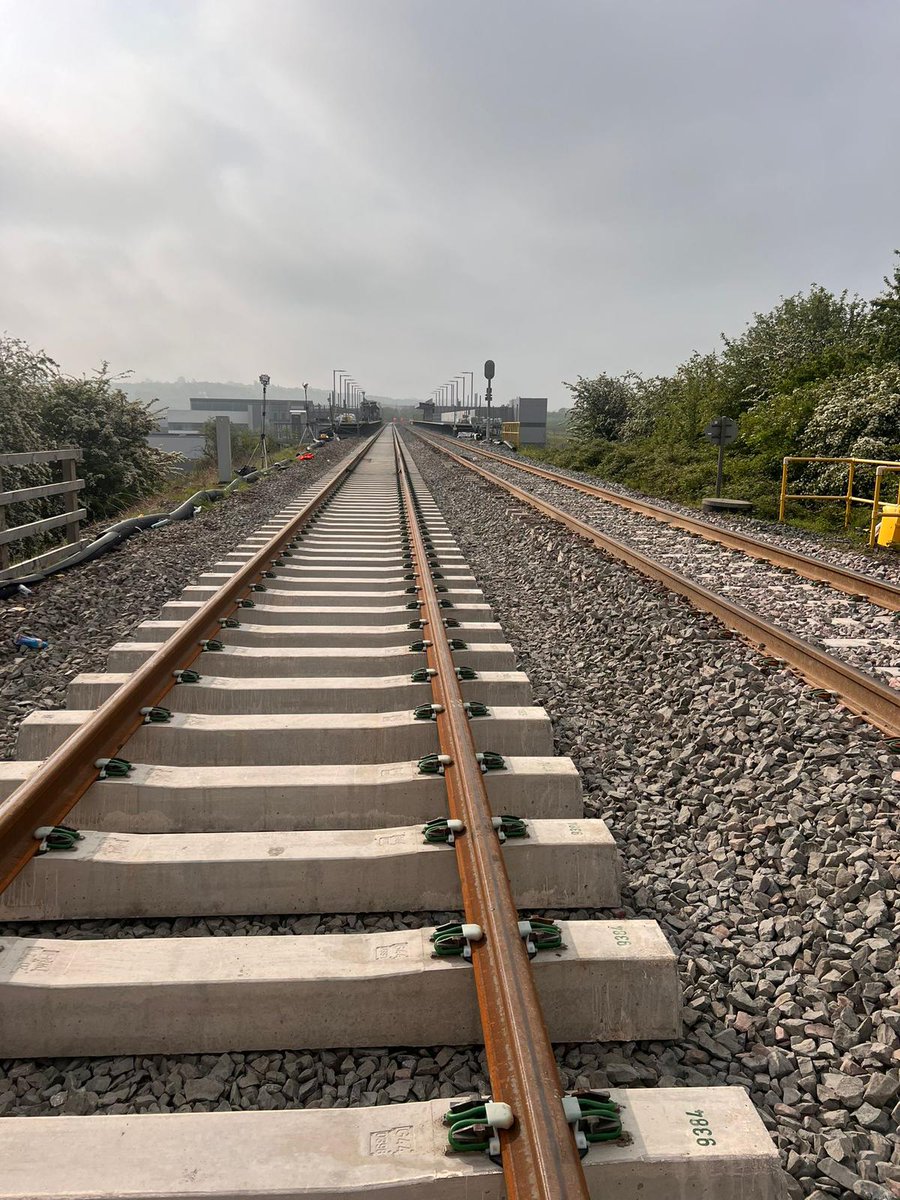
column 122, row 530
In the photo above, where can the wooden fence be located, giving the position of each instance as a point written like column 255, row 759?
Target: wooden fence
column 70, row 517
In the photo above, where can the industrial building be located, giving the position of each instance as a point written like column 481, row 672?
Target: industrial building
column 528, row 414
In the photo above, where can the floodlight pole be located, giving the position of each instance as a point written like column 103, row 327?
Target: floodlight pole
column 334, row 379
column 264, row 380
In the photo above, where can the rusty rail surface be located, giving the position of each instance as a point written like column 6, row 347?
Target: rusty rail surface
column 860, row 693
column 63, row 778
column 886, row 595
column 539, row 1156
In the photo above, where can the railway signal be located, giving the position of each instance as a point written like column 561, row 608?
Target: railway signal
column 489, row 375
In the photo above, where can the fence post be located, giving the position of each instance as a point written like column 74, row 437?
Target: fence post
column 849, row 493
column 4, row 547
column 70, row 499
column 784, row 479
column 876, row 503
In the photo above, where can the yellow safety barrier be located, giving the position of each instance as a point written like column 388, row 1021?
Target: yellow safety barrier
column 882, row 466
column 889, row 534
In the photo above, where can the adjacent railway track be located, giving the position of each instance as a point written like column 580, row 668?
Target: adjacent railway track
column 853, row 583
column 859, row 691
column 345, row 733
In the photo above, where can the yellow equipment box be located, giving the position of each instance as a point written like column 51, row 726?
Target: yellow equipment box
column 509, row 431
column 889, row 529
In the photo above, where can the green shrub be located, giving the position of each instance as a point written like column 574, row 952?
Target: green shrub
column 44, row 409
column 819, row 374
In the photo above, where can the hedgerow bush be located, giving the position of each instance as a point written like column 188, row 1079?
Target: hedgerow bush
column 817, row 375
column 43, row 409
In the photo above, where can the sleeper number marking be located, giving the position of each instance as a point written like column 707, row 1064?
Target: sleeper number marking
column 700, row 1128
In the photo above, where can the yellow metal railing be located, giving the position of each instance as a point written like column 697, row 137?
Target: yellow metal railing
column 880, row 472
column 881, row 465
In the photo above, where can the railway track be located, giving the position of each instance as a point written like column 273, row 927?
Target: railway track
column 328, row 722
column 854, row 583
column 856, row 671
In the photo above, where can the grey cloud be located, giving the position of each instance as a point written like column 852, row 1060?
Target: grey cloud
column 202, row 188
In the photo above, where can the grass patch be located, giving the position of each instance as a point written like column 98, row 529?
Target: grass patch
column 685, row 474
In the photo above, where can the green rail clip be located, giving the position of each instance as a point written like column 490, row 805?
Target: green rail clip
column 57, row 837
column 490, row 760
column 508, row 826
column 442, row 829
column 113, row 768
column 473, row 1125
column 156, row 715
column 454, row 940
column 539, row 933
column 594, row 1117
column 434, row 764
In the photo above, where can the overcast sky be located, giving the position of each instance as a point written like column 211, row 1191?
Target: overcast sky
column 402, row 188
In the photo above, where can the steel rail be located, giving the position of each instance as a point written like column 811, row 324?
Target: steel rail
column 539, row 1157
column 857, row 691
column 47, row 796
column 854, row 583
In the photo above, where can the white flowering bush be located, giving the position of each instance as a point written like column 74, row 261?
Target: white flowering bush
column 858, row 415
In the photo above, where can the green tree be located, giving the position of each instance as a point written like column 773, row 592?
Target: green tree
column 601, row 407
column 807, row 337
column 886, row 319
column 857, row 416
column 25, row 376
column 43, row 409
column 119, row 465
column 675, row 408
